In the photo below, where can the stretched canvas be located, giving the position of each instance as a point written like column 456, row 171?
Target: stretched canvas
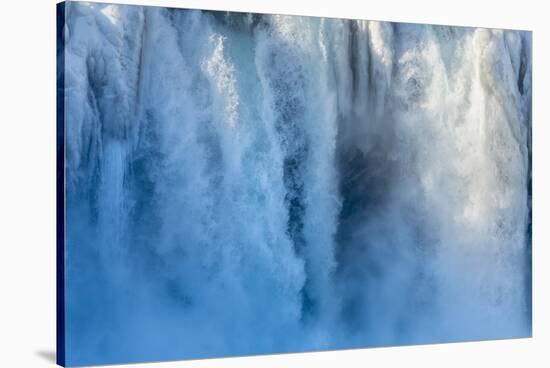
column 234, row 184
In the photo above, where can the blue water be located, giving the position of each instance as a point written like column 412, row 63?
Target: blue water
column 248, row 184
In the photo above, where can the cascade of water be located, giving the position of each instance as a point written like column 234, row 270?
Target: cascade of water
column 242, row 183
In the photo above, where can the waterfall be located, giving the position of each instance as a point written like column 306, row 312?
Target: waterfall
column 245, row 184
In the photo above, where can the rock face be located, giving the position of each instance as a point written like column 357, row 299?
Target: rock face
column 244, row 184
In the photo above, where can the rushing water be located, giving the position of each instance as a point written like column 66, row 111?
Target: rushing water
column 245, row 184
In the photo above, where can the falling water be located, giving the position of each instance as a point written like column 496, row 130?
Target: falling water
column 245, row 184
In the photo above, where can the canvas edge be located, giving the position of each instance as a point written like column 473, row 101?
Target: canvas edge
column 60, row 185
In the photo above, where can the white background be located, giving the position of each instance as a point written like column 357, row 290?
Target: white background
column 27, row 181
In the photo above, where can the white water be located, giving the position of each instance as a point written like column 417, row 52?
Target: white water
column 244, row 184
